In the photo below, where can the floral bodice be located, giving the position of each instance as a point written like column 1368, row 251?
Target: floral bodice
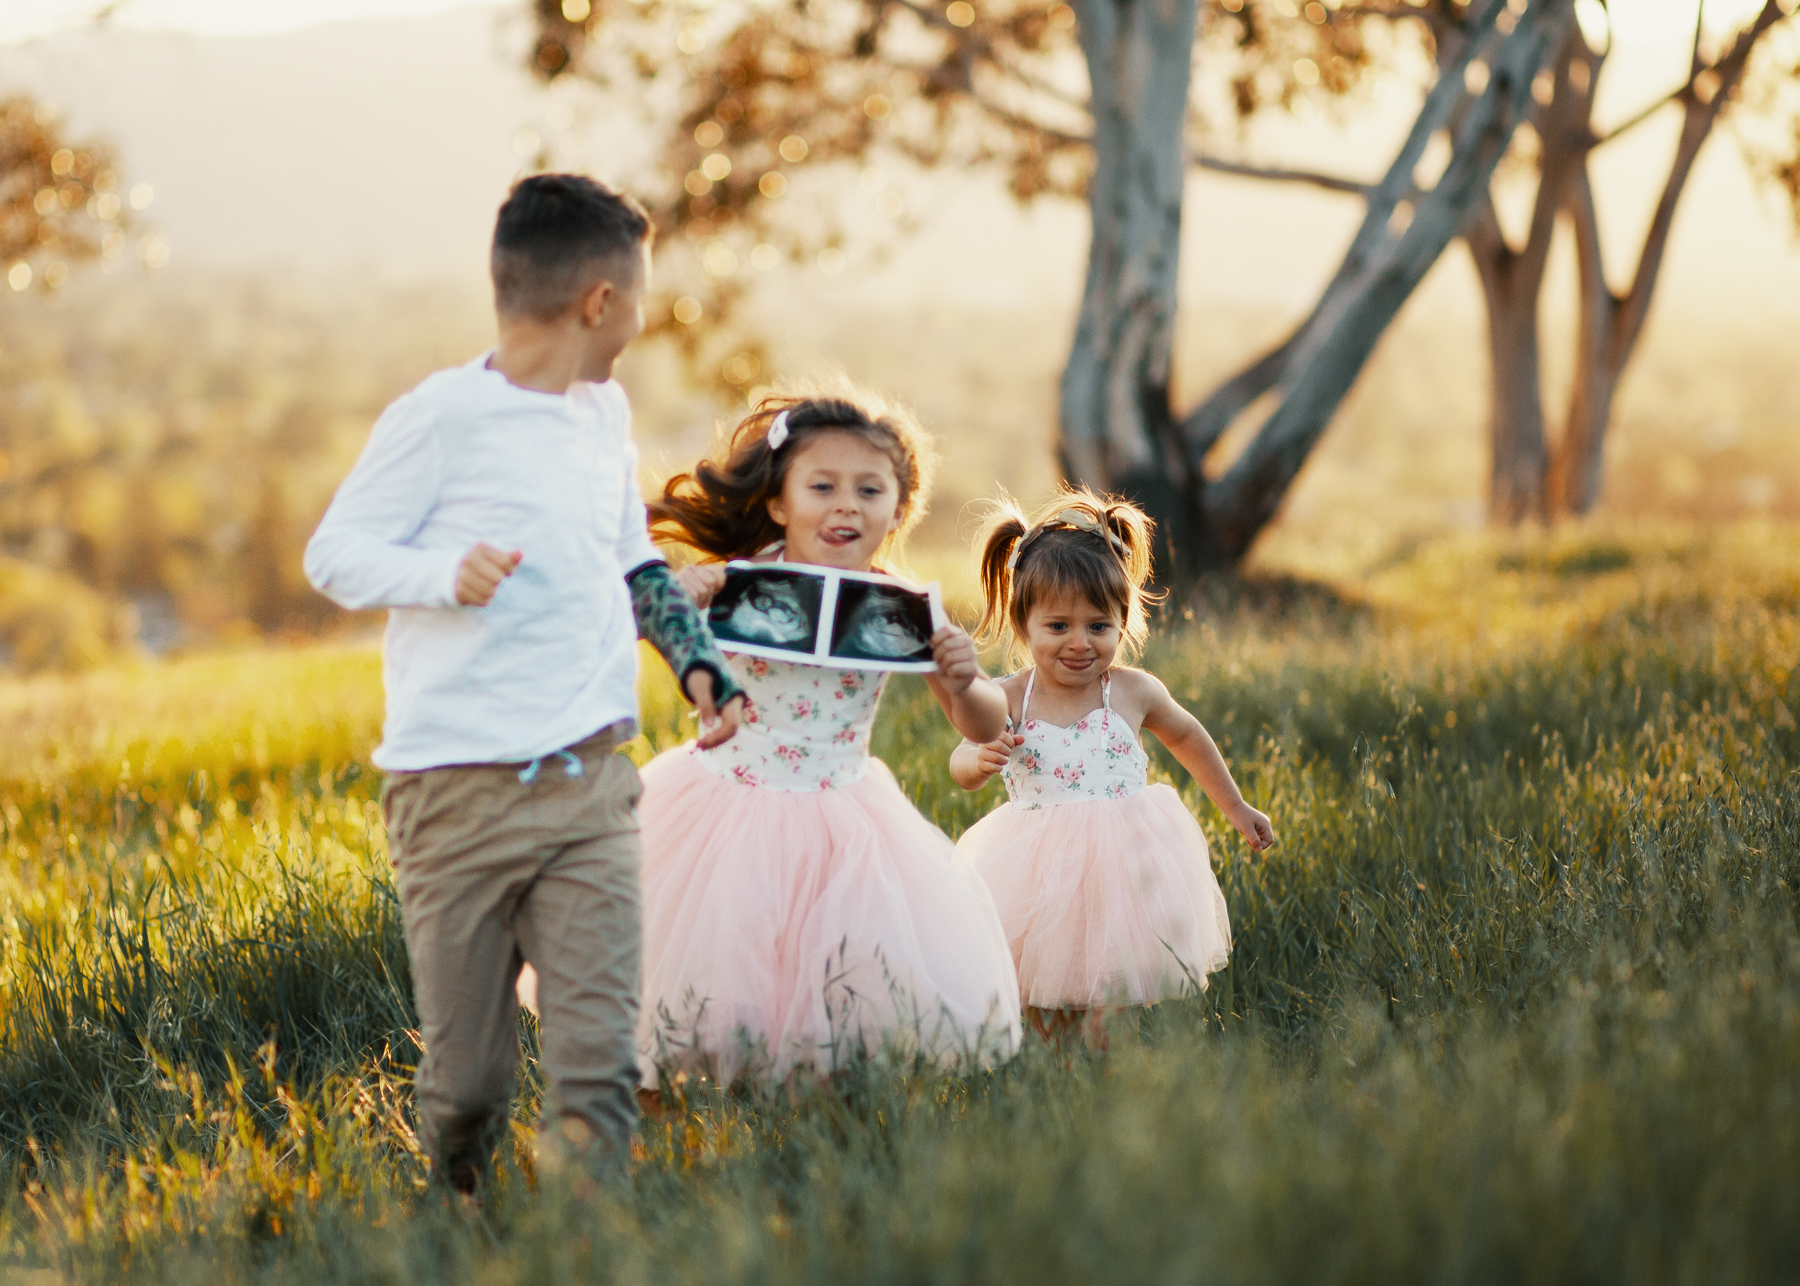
column 1092, row 758
column 806, row 727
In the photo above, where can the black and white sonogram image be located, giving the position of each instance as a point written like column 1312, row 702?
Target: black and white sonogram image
column 778, row 609
column 876, row 622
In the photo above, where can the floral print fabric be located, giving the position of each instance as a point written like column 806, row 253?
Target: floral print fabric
column 806, row 727
column 1093, row 758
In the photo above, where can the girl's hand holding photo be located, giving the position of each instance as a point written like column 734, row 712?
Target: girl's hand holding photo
column 958, row 664
column 701, row 581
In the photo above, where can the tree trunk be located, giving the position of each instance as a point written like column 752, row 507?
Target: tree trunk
column 1518, row 453
column 1578, row 469
column 1119, row 432
column 1116, row 420
column 1610, row 323
column 1512, row 283
column 1403, row 233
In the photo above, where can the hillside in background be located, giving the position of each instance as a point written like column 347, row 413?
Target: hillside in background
column 167, row 443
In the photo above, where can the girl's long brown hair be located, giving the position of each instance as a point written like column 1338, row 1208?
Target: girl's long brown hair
column 1080, row 543
column 721, row 508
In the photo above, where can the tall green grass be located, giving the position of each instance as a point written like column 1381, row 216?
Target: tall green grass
column 1516, row 996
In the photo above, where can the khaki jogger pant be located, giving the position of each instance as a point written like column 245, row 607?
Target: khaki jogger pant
column 494, row 871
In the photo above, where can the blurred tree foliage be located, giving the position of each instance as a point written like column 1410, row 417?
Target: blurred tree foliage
column 60, row 204
column 60, row 200
column 167, row 444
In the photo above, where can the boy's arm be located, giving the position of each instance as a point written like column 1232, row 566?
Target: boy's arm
column 359, row 557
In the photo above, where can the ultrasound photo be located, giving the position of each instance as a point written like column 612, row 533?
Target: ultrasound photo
column 766, row 608
column 823, row 616
column 881, row 622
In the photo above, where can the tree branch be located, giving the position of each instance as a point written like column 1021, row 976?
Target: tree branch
column 1562, row 141
column 1020, row 121
column 1729, row 68
column 1487, row 244
column 1632, row 122
column 1696, row 128
column 1201, row 428
column 1278, row 174
column 1590, row 260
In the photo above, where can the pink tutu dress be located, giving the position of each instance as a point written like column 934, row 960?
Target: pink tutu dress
column 796, row 905
column 1102, row 880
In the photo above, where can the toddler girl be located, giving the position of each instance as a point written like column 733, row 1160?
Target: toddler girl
column 795, row 903
column 1102, row 880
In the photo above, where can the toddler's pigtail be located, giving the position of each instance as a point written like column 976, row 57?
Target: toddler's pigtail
column 1135, row 531
column 1000, row 537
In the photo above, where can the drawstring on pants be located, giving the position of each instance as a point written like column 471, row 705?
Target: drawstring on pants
column 571, row 766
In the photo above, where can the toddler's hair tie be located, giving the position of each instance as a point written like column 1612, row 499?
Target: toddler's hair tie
column 778, row 432
column 1076, row 518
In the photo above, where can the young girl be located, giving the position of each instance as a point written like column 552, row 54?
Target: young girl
column 1102, row 880
column 795, row 903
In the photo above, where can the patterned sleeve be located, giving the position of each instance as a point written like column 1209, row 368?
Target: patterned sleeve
column 668, row 620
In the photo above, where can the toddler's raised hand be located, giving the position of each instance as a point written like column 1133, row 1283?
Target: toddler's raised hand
column 481, row 571
column 700, row 581
column 993, row 756
column 1253, row 825
column 958, row 664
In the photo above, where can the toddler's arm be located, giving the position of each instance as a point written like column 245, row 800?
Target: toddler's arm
column 1194, row 749
column 972, row 765
column 359, row 557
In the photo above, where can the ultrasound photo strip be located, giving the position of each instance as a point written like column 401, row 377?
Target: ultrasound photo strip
column 821, row 616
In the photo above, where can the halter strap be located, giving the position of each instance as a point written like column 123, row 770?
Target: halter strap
column 1105, row 696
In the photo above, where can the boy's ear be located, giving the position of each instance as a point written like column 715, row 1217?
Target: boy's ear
column 592, row 304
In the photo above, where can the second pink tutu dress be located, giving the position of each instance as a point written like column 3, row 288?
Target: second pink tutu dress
column 1102, row 880
column 796, row 905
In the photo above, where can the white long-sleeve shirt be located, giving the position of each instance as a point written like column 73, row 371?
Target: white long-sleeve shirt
column 469, row 457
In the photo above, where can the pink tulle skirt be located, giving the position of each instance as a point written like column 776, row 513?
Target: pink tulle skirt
column 1105, row 901
column 785, row 929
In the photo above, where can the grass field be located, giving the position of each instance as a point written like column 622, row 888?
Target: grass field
column 1516, row 997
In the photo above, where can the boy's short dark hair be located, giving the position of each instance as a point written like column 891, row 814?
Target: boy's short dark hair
column 556, row 234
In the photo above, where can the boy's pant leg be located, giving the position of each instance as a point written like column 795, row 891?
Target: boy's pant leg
column 578, row 924
column 462, row 859
column 488, row 864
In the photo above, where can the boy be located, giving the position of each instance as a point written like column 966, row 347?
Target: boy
column 495, row 510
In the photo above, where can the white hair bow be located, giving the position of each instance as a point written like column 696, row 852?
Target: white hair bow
column 778, row 432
